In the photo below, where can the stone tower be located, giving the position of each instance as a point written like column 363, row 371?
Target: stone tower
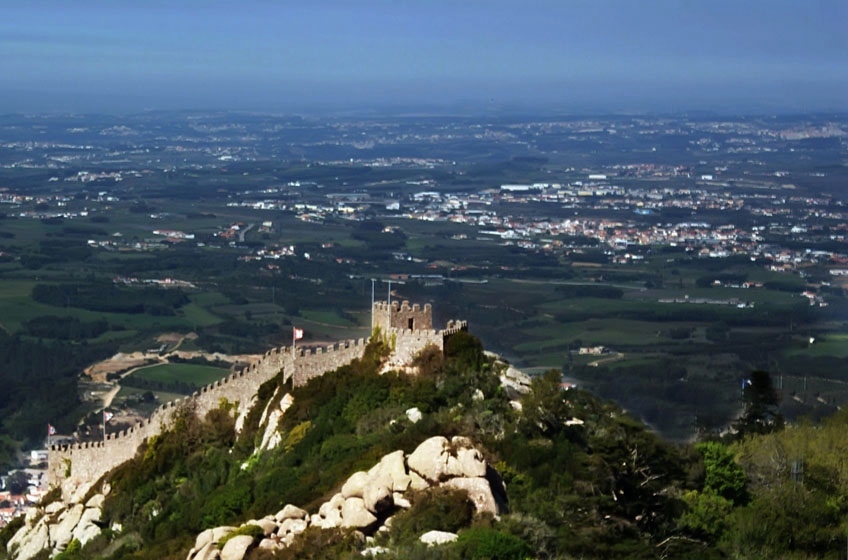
column 401, row 316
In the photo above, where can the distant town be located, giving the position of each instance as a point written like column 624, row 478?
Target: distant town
column 653, row 260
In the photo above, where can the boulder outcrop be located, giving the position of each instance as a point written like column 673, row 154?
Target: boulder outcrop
column 236, row 547
column 433, row 538
column 54, row 527
column 368, row 499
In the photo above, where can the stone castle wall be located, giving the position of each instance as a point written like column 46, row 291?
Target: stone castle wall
column 76, row 466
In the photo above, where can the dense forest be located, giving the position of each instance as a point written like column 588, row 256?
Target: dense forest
column 105, row 296
column 39, row 382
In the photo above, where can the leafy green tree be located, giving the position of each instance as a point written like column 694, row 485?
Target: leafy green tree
column 707, row 513
column 544, row 407
column 724, row 477
column 465, row 349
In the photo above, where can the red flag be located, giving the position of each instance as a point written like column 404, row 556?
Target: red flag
column 298, row 334
column 107, row 416
column 51, row 431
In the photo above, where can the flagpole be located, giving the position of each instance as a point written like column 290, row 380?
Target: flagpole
column 293, row 341
column 389, row 309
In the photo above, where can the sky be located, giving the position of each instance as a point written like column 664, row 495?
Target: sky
column 424, row 55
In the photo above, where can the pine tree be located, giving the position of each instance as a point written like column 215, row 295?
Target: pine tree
column 760, row 400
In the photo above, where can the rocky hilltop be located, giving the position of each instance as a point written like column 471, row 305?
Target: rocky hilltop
column 446, row 452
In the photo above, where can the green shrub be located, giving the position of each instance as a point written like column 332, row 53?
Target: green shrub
column 490, row 544
column 225, row 504
column 437, row 509
column 9, row 531
column 72, row 551
column 254, row 531
column 429, row 361
column 322, row 544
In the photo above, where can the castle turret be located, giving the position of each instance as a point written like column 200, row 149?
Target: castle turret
column 401, row 316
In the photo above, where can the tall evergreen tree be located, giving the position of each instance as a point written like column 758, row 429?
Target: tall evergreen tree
column 760, row 400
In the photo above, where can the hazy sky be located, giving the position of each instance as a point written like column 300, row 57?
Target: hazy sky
column 127, row 55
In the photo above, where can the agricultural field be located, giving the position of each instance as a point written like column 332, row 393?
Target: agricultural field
column 254, row 248
column 172, row 374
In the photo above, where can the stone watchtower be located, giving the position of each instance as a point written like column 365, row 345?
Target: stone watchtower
column 401, row 317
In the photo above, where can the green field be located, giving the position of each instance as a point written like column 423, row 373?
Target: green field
column 193, row 374
column 199, row 316
column 326, row 317
column 830, row 344
column 132, row 396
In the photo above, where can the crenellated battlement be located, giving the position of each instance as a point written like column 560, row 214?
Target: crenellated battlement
column 401, row 316
column 75, row 467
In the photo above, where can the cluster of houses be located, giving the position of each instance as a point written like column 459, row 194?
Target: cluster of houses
column 28, row 488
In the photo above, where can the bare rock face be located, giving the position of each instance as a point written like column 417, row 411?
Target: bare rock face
column 355, row 485
column 51, row 529
column 416, row 483
column 236, row 547
column 515, row 383
column 61, row 534
column 330, row 513
column 436, row 459
column 377, row 497
column 471, row 462
column 433, row 538
column 356, row 515
column 264, row 416
column 414, row 415
column 34, row 541
column 292, row 527
column 400, row 501
column 208, row 552
column 479, row 492
column 203, row 539
column 430, row 459
column 54, row 507
column 86, row 529
column 219, row 533
column 75, row 490
column 290, row 512
column 96, row 501
column 267, row 544
column 393, row 466
column 268, row 526
column 243, row 412
column 271, row 438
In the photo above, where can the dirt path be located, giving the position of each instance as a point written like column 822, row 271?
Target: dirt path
column 110, row 396
column 615, row 358
column 243, row 232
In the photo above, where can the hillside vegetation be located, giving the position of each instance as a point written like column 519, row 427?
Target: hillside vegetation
column 583, row 479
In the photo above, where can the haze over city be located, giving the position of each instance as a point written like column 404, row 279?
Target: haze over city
column 418, row 279
column 467, row 57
